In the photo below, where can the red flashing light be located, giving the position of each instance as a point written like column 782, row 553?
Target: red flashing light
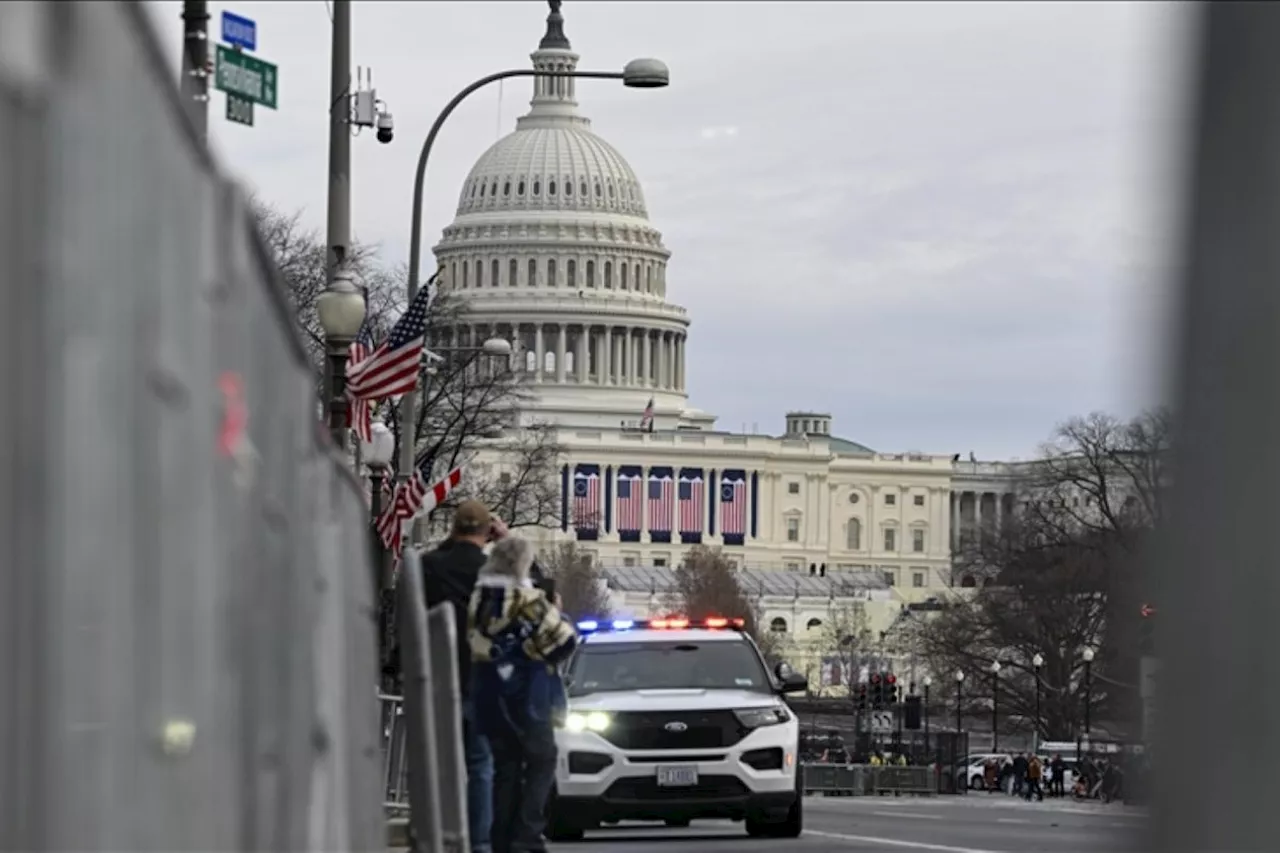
column 875, row 678
column 891, row 679
column 659, row 623
column 717, row 623
column 678, row 623
column 1147, row 610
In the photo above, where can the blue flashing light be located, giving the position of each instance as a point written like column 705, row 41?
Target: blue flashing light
column 623, row 624
column 588, row 625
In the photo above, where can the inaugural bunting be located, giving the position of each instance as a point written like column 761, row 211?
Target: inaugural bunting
column 733, row 507
column 690, row 505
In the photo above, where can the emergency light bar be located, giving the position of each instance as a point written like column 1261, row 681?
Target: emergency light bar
column 672, row 623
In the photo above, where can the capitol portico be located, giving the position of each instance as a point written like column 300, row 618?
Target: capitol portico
column 552, row 247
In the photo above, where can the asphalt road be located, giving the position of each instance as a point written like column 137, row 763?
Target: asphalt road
column 968, row 824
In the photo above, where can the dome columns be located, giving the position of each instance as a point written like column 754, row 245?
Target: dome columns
column 596, row 354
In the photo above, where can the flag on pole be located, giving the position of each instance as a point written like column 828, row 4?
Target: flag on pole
column 393, row 367
column 733, row 507
column 359, row 409
column 646, row 419
column 413, row 498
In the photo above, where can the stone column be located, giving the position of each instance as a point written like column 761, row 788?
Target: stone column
column 580, row 359
column 540, row 353
column 562, row 344
column 624, row 374
column 956, row 497
column 606, row 348
column 648, row 360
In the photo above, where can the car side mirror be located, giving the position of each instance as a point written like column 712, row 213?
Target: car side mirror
column 794, row 682
column 782, row 670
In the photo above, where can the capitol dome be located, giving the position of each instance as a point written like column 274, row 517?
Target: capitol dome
column 552, row 249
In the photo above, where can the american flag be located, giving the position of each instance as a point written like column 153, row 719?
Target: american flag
column 733, row 506
column 586, row 501
column 359, row 409
column 660, row 504
column 690, row 504
column 413, row 498
column 646, row 419
column 630, row 502
column 393, row 368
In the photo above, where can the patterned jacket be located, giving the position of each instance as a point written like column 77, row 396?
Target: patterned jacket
column 518, row 639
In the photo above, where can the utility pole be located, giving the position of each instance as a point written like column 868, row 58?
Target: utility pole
column 339, row 225
column 195, row 63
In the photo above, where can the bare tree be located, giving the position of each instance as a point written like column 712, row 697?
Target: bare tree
column 847, row 644
column 580, row 584
column 1062, row 575
column 469, row 403
column 706, row 586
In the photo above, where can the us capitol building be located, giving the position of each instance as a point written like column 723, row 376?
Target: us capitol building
column 553, row 248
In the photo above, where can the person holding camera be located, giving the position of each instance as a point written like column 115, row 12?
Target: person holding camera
column 449, row 574
column 518, row 639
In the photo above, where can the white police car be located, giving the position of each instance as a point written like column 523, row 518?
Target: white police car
column 675, row 721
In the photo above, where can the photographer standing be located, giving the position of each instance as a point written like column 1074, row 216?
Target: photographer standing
column 518, row 638
column 449, row 574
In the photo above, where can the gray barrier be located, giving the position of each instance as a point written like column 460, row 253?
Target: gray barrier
column 437, row 779
column 855, row 780
column 186, row 634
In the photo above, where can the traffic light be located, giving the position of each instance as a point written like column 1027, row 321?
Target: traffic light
column 891, row 689
column 862, row 697
column 877, row 691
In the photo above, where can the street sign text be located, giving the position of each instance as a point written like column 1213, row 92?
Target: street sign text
column 238, row 31
column 882, row 721
column 239, row 110
column 246, row 76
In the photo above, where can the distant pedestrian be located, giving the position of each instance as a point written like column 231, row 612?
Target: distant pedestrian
column 1035, row 771
column 1057, row 788
column 449, row 574
column 518, row 639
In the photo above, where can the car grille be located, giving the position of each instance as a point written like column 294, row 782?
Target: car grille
column 648, row 730
column 646, row 789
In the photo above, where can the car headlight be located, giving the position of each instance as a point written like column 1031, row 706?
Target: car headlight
column 754, row 718
column 594, row 721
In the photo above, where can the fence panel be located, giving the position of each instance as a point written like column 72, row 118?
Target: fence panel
column 186, row 631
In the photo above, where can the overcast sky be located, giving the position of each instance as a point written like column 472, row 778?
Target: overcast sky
column 947, row 224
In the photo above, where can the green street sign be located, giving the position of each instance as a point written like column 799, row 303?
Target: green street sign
column 251, row 78
column 239, row 110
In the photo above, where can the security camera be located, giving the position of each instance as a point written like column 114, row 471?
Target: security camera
column 386, row 127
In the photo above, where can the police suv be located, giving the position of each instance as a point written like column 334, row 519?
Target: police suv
column 674, row 721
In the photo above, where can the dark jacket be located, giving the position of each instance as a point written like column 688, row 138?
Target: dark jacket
column 449, row 574
column 518, row 639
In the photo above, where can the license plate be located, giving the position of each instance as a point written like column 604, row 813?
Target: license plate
column 680, row 776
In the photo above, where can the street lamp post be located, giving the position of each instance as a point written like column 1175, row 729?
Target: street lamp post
column 995, row 706
column 1036, row 662
column 928, row 682
column 377, row 453
column 638, row 74
column 1087, row 654
column 340, row 309
column 955, row 747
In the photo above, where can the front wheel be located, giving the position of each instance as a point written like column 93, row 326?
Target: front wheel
column 677, row 822
column 558, row 828
column 789, row 827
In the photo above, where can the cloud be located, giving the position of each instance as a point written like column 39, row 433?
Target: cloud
column 944, row 223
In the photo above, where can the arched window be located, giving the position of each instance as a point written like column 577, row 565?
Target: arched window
column 582, row 187
column 968, row 582
column 453, row 274
column 636, row 280
column 513, row 272
column 533, row 273
column 853, row 535
column 482, row 189
column 591, row 273
column 466, row 274
column 493, row 273
column 551, row 187
column 506, row 188
column 520, row 188
column 778, row 625
column 568, row 187
column 537, row 186
column 814, row 623
column 552, row 281
column 549, row 361
column 648, row 278
column 571, row 273
column 479, row 273
column 608, row 274
column 530, row 361
column 622, row 276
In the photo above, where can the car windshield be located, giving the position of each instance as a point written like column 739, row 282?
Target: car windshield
column 714, row 665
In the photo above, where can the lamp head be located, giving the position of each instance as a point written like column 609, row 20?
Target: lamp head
column 1088, row 654
column 377, row 451
column 928, row 682
column 497, row 346
column 646, row 74
column 1037, row 661
column 995, row 667
column 340, row 307
column 959, row 676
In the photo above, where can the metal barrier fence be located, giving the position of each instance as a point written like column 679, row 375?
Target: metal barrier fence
column 866, row 779
column 186, row 641
column 433, row 771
